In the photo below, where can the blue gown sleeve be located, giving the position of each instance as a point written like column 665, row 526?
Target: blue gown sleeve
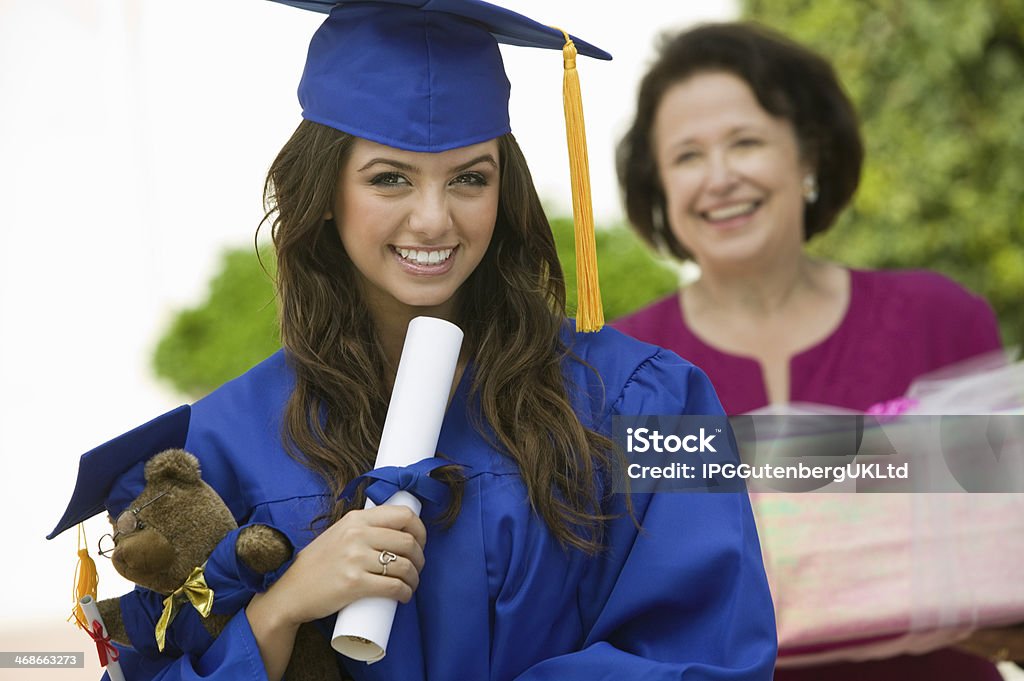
column 685, row 597
column 233, row 655
column 233, row 582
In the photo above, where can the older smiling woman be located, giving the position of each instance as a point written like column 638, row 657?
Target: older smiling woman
column 743, row 147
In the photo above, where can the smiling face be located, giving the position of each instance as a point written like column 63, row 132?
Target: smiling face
column 416, row 225
column 732, row 173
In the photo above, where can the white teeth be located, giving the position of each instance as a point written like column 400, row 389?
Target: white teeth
column 731, row 211
column 425, row 257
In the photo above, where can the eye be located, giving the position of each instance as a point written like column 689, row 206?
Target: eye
column 389, row 179
column 748, row 142
column 473, row 179
column 687, row 156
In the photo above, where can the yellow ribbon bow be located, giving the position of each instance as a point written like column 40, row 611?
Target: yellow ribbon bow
column 193, row 590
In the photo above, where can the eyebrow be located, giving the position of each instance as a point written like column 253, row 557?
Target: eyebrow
column 736, row 129
column 479, row 159
column 388, row 162
column 399, row 165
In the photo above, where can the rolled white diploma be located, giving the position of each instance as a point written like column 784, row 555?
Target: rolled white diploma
column 411, row 429
column 92, row 614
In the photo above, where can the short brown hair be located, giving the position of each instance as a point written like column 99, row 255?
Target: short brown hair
column 789, row 81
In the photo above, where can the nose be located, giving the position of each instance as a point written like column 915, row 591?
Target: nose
column 430, row 217
column 720, row 174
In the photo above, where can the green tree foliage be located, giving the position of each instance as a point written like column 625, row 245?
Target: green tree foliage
column 940, row 90
column 630, row 276
column 235, row 326
column 231, row 330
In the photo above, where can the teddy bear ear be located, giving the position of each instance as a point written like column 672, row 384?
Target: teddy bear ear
column 173, row 465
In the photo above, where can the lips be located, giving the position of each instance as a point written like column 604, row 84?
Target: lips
column 425, row 262
column 731, row 211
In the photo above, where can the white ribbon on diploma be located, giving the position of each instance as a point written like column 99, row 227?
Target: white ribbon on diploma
column 92, row 614
column 411, row 429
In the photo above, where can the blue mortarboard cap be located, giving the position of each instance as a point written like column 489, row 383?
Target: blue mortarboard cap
column 101, row 483
column 419, row 75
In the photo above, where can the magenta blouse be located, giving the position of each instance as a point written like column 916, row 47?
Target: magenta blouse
column 898, row 326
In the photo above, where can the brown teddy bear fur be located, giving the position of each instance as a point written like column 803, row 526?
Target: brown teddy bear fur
column 180, row 531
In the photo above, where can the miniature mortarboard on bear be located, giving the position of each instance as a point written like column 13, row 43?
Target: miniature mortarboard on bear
column 110, row 475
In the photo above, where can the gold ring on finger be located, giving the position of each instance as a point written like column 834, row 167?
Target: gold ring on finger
column 385, row 558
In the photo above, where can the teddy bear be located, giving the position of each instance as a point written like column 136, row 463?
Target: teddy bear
column 177, row 534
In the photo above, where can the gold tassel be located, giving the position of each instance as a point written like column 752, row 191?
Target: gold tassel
column 589, row 313
column 86, row 579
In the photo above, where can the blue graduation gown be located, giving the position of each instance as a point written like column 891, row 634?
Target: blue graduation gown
column 499, row 597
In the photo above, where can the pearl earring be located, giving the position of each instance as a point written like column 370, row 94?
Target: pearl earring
column 810, row 185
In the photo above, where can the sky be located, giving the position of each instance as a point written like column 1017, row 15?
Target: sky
column 134, row 139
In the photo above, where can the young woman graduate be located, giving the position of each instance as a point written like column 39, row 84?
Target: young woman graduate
column 403, row 193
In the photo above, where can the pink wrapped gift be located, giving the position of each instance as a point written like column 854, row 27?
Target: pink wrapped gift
column 869, row 576
column 864, row 576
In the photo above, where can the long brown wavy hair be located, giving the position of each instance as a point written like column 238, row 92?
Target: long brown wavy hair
column 511, row 309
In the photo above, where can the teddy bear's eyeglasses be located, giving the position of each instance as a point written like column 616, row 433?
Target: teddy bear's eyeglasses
column 126, row 523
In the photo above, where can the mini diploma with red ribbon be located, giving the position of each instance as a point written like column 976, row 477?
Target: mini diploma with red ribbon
column 98, row 633
column 104, row 647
